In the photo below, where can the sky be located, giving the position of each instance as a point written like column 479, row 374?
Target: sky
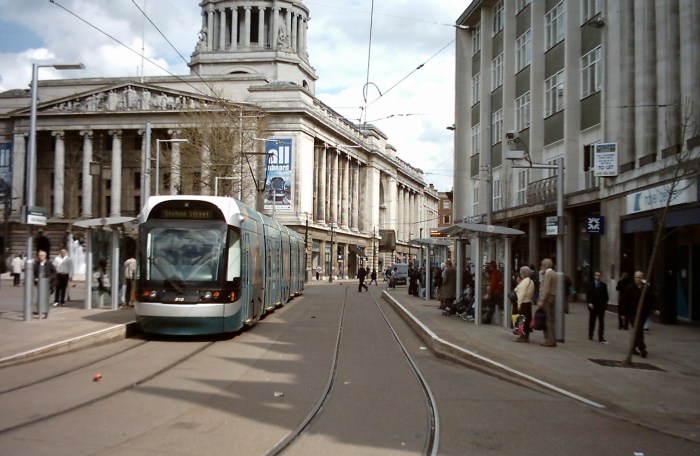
column 412, row 106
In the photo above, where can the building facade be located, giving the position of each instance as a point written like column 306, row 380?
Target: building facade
column 611, row 88
column 339, row 183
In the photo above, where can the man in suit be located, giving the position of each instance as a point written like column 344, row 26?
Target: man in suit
column 597, row 298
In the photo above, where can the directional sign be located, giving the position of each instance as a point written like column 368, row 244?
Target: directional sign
column 33, row 215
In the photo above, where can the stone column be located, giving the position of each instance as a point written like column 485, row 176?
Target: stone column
column 321, row 182
column 222, row 29
column 210, row 30
column 356, row 197
column 274, row 21
column 19, row 156
column 690, row 58
column 293, row 19
column 334, row 186
column 175, row 163
column 115, row 196
column 87, row 179
column 245, row 32
column 261, row 27
column 345, row 208
column 59, row 183
column 234, row 27
column 668, row 72
column 205, row 187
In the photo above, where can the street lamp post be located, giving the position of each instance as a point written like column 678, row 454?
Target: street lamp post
column 31, row 181
column 158, row 141
column 333, row 254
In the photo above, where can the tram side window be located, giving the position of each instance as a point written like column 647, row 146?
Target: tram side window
column 233, row 271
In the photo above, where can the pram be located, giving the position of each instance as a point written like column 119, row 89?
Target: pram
column 463, row 306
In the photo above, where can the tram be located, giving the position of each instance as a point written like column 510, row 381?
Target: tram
column 209, row 265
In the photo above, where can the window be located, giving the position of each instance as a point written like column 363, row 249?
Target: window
column 497, row 72
column 498, row 18
column 589, row 8
column 523, row 53
column 497, row 196
column 446, row 204
column 476, row 39
column 446, row 220
column 522, row 111
column 554, row 26
column 476, row 88
column 475, row 199
column 521, row 190
column 590, row 73
column 476, row 139
column 521, row 4
column 554, row 94
column 497, row 127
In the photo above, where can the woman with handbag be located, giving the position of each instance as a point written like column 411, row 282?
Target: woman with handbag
column 525, row 292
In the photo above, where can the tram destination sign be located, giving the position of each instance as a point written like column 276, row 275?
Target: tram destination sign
column 186, row 214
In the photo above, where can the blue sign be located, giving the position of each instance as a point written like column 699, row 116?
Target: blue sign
column 595, row 224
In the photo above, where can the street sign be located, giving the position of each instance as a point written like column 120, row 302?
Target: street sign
column 33, row 215
column 552, row 226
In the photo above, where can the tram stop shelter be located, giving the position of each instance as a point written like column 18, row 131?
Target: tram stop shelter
column 431, row 244
column 475, row 234
column 115, row 224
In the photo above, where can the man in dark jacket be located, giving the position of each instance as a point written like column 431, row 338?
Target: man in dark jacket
column 631, row 298
column 597, row 298
column 361, row 274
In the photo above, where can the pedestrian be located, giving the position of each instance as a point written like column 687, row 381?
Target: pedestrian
column 361, row 274
column 129, row 281
column 100, row 283
column 412, row 282
column 448, row 289
column 525, row 290
column 44, row 269
column 17, row 269
column 318, row 272
column 632, row 296
column 373, row 277
column 64, row 274
column 494, row 291
column 392, row 278
column 622, row 284
column 546, row 299
column 597, row 299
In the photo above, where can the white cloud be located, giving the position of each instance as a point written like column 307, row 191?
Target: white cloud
column 405, row 34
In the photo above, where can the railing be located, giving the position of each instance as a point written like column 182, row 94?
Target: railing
column 543, row 191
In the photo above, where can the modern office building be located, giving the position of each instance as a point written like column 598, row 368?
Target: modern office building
column 337, row 183
column 610, row 87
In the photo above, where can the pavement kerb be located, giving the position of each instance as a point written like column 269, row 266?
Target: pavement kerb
column 445, row 349
column 110, row 334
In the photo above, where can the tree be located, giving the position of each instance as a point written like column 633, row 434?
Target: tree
column 683, row 163
column 222, row 150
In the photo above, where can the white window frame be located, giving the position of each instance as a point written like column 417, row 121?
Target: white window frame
column 498, row 17
column 476, row 88
column 497, row 72
column 497, row 127
column 554, row 93
column 475, row 199
column 522, row 178
column 523, row 52
column 554, row 26
column 445, row 204
column 476, row 139
column 522, row 111
column 591, row 72
column 589, row 9
column 497, row 193
column 476, row 39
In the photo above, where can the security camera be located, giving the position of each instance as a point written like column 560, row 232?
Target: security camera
column 512, row 136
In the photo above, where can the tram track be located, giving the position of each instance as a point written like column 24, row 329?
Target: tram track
column 432, row 436
column 11, row 422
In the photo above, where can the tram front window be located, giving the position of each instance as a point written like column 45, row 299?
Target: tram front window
column 191, row 254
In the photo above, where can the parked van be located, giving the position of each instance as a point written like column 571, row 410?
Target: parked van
column 401, row 273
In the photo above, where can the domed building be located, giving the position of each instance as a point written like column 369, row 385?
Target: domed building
column 104, row 144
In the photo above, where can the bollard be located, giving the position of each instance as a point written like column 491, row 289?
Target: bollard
column 43, row 297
